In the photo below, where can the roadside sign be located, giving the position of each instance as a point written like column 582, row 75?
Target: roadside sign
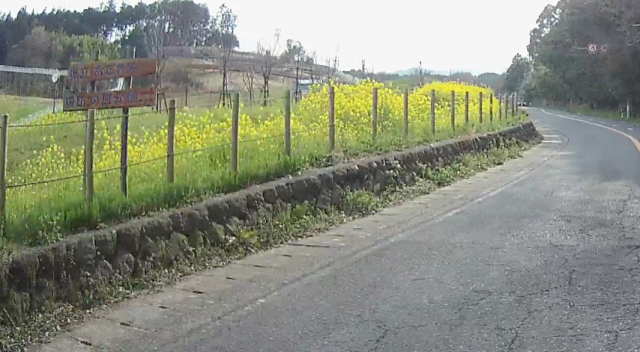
column 595, row 49
column 98, row 71
column 110, row 100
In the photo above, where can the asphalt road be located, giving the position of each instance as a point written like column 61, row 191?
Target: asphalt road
column 542, row 254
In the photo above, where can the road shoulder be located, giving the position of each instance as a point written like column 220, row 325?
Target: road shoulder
column 204, row 299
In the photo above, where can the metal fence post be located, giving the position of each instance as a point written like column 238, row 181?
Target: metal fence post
column 332, row 119
column 374, row 114
column 171, row 140
column 4, row 143
column 500, row 108
column 287, row 123
column 235, row 117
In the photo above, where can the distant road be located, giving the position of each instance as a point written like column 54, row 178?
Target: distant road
column 542, row 254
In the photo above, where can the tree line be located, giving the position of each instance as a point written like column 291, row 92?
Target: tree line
column 55, row 38
column 582, row 52
column 64, row 35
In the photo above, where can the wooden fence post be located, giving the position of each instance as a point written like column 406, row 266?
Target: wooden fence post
column 287, row 123
column 124, row 143
column 89, row 137
column 466, row 108
column 506, row 106
column 332, row 119
column 186, row 95
column 491, row 108
column 406, row 113
column 500, row 108
column 55, row 93
column 513, row 105
column 453, row 110
column 235, row 118
column 433, row 112
column 171, row 140
column 4, row 143
column 480, row 107
column 88, row 160
column 374, row 114
column 124, row 152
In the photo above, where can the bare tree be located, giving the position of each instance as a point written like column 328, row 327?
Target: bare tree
column 249, row 78
column 329, row 70
column 224, row 26
column 156, row 38
column 296, row 54
column 266, row 68
column 312, row 59
column 267, row 61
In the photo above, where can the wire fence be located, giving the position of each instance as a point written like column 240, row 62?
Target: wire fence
column 374, row 127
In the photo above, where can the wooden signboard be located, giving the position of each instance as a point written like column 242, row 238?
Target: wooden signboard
column 99, row 71
column 110, row 100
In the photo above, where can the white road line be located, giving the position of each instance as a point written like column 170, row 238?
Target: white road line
column 635, row 142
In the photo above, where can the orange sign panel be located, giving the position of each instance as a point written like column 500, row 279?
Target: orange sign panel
column 98, row 71
column 110, row 100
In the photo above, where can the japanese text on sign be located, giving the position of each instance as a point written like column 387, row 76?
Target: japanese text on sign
column 110, row 100
column 97, row 71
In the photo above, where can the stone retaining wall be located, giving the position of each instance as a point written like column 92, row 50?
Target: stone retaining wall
column 74, row 269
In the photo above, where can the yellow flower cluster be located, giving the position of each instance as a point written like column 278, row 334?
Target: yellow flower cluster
column 203, row 139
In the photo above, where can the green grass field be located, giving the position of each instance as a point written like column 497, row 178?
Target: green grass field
column 19, row 108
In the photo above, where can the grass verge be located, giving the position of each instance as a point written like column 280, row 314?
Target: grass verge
column 601, row 113
column 297, row 222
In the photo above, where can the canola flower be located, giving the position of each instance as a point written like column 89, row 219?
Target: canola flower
column 202, row 144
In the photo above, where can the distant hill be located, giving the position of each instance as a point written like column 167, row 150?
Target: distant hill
column 414, row 70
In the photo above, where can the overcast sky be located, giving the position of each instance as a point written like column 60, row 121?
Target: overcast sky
column 456, row 35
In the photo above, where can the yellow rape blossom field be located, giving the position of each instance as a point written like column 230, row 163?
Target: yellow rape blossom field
column 43, row 213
